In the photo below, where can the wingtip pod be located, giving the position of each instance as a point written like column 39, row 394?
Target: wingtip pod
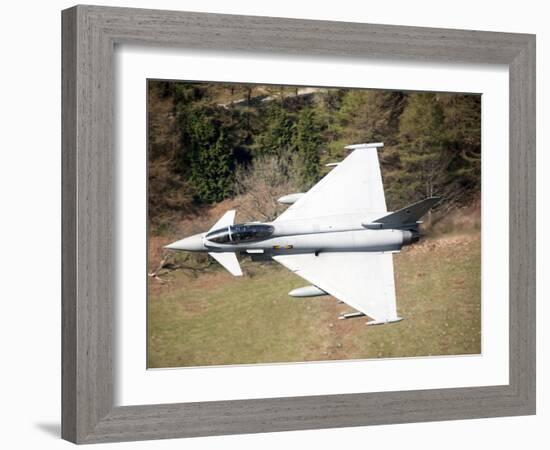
column 290, row 199
column 366, row 145
column 383, row 322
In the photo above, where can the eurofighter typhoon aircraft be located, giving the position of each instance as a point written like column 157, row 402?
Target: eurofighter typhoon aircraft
column 338, row 236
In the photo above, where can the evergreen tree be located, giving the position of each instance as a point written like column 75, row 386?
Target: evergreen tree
column 170, row 194
column 463, row 134
column 276, row 139
column 307, row 142
column 367, row 116
column 439, row 151
column 371, row 116
column 208, row 155
column 213, row 171
column 423, row 151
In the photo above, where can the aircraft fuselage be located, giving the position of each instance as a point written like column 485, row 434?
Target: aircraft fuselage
column 345, row 240
column 322, row 234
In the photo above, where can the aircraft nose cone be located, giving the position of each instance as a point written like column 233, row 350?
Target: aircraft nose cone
column 189, row 244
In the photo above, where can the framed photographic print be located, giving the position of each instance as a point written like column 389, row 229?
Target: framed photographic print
column 278, row 224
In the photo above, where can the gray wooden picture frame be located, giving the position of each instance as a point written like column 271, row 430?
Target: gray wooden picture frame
column 89, row 37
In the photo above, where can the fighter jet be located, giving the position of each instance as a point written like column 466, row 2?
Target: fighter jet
column 338, row 236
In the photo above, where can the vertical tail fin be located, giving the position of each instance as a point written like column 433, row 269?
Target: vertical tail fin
column 408, row 216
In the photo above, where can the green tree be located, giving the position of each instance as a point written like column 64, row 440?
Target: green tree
column 463, row 130
column 365, row 116
column 208, row 154
column 423, row 154
column 439, row 152
column 170, row 194
column 369, row 116
column 213, row 171
column 277, row 137
column 307, row 143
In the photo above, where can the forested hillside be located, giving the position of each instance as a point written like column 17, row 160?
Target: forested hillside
column 210, row 142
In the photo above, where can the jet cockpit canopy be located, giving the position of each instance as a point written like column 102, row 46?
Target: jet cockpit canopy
column 236, row 234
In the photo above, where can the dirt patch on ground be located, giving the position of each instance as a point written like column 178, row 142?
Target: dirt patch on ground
column 441, row 243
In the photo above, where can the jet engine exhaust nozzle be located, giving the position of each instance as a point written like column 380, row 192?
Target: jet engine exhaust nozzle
column 410, row 237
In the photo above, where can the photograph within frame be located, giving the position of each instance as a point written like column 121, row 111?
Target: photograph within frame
column 218, row 147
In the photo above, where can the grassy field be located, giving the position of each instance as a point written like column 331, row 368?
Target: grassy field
column 216, row 319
